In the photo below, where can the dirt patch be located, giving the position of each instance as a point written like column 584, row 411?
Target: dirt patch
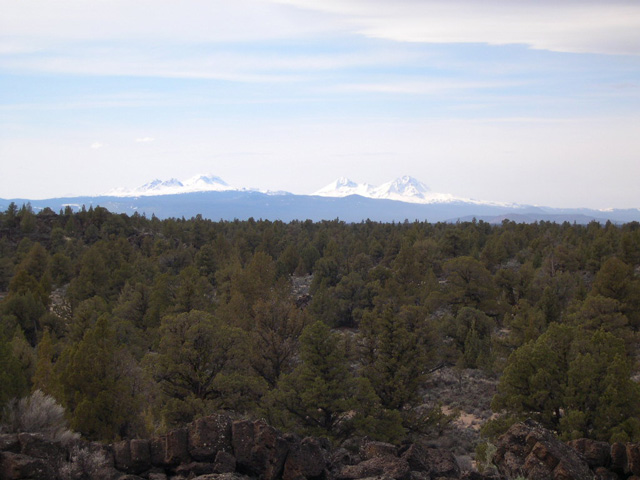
column 467, row 392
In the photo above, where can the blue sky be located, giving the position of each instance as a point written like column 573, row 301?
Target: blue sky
column 507, row 100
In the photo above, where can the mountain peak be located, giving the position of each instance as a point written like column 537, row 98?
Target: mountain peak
column 197, row 183
column 343, row 187
column 205, row 179
column 405, row 186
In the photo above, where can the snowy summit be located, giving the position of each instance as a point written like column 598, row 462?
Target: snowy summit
column 403, row 189
column 198, row 183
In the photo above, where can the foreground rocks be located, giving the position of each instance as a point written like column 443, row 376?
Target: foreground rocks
column 530, row 450
column 217, row 448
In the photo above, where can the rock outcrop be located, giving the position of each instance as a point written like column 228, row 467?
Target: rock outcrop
column 217, row 448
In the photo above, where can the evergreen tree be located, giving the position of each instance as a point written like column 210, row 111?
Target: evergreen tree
column 99, row 393
column 325, row 398
column 196, row 363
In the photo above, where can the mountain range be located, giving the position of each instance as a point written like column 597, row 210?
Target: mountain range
column 404, row 198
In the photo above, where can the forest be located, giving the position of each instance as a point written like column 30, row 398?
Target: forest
column 135, row 325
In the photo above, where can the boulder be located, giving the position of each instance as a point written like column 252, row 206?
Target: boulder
column 222, row 476
column 122, row 456
column 38, row 446
column 527, row 447
column 140, row 455
column 177, row 447
column 388, row 467
column 260, row 450
column 434, row 461
column 195, row 469
column 619, row 458
column 633, row 458
column 208, row 436
column 157, row 476
column 16, row 466
column 603, row 473
column 377, row 449
column 597, row 454
column 224, row 463
column 9, row 443
column 307, row 459
column 157, row 450
column 132, row 456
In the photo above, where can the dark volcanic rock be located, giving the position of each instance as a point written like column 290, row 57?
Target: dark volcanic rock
column 307, row 459
column 377, row 449
column 38, row 446
column 597, row 454
column 16, row 466
column 530, row 449
column 9, row 443
column 434, row 461
column 389, row 467
column 633, row 458
column 224, row 463
column 132, row 456
column 259, row 449
column 208, row 436
column 619, row 457
column 195, row 469
column 222, row 476
column 177, row 448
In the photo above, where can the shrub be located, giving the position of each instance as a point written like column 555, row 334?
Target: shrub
column 84, row 463
column 37, row 413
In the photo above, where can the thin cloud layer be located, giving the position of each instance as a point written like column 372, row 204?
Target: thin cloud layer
column 611, row 27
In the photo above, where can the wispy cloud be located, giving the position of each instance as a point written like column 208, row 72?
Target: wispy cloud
column 96, row 145
column 145, row 139
column 611, row 27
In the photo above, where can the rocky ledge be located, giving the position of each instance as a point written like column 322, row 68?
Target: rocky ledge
column 217, row 448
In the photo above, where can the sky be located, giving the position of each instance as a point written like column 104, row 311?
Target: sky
column 527, row 101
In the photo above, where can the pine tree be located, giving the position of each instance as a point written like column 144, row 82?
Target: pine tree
column 98, row 392
column 325, row 398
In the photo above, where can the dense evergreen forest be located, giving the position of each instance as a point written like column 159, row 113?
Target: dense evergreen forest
column 135, row 325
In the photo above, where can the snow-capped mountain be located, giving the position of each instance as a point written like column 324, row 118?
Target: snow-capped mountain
column 402, row 199
column 343, row 187
column 403, row 189
column 198, row 183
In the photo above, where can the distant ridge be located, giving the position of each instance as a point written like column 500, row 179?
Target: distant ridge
column 244, row 204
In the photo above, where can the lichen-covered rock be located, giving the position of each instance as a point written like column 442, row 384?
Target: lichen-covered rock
column 529, row 448
column 208, row 436
column 260, row 450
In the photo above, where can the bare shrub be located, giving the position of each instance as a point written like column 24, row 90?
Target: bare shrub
column 37, row 413
column 85, row 463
